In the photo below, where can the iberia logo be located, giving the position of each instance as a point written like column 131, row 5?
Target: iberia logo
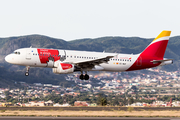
column 65, row 66
column 125, row 58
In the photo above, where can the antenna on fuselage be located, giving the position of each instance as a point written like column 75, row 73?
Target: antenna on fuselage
column 30, row 46
column 104, row 51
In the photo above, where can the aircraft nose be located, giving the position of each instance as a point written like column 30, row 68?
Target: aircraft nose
column 8, row 58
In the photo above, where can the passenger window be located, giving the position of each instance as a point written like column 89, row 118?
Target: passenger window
column 74, row 56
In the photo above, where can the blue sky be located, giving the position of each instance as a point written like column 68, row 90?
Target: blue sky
column 77, row 19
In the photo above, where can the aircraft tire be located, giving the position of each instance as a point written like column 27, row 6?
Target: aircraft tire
column 81, row 77
column 26, row 74
column 86, row 77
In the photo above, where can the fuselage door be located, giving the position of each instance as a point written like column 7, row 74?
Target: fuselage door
column 62, row 54
column 28, row 54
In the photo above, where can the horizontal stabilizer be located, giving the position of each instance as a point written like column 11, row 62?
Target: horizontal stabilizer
column 161, row 61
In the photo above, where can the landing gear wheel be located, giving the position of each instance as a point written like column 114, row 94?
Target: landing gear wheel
column 86, row 77
column 81, row 77
column 27, row 73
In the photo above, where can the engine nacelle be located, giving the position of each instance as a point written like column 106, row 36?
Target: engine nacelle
column 63, row 68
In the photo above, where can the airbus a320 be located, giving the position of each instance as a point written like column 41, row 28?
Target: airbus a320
column 69, row 61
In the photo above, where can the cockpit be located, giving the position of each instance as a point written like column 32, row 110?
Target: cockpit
column 16, row 52
column 14, row 57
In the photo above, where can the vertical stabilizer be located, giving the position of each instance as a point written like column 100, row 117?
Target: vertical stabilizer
column 153, row 55
column 158, row 46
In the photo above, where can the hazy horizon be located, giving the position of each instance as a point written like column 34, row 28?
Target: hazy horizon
column 71, row 20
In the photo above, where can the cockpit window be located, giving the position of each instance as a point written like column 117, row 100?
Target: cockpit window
column 17, row 52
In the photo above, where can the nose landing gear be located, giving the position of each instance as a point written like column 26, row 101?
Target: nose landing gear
column 27, row 71
column 84, row 77
column 26, row 74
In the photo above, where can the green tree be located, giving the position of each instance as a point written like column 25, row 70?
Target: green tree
column 134, row 88
column 103, row 101
column 115, row 102
column 131, row 100
column 7, row 98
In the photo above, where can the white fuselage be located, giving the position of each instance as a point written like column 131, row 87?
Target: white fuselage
column 31, row 57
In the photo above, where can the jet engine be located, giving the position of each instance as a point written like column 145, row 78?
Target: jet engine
column 63, row 68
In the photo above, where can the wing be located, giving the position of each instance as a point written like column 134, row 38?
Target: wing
column 91, row 63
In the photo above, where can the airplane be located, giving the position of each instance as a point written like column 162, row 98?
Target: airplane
column 69, row 61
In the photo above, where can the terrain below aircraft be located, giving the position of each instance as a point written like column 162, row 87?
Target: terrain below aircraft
column 69, row 61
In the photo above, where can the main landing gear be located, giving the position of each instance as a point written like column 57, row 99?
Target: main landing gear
column 27, row 71
column 84, row 77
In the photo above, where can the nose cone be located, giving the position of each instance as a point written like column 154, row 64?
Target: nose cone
column 8, row 58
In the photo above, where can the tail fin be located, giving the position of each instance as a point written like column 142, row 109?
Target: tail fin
column 158, row 46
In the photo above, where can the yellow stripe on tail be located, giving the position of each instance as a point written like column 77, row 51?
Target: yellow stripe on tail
column 164, row 33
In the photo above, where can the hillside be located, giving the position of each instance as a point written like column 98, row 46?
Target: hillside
column 109, row 44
